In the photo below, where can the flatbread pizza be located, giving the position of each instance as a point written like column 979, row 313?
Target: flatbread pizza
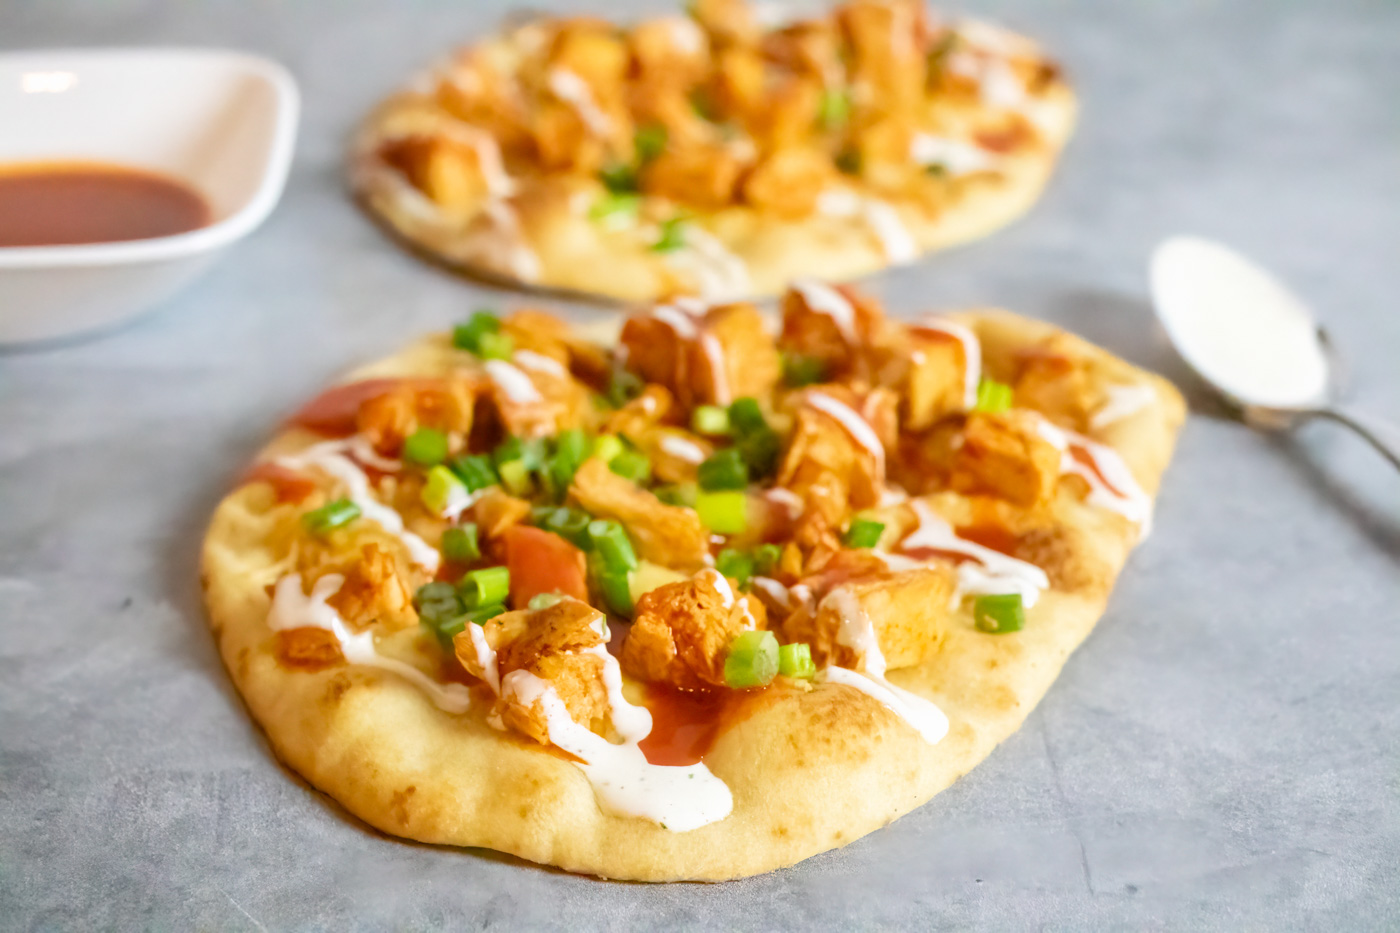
column 714, row 154
column 695, row 603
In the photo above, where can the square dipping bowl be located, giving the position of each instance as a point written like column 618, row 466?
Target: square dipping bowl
column 223, row 123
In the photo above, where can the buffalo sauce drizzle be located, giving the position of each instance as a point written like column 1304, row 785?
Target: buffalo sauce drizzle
column 685, row 724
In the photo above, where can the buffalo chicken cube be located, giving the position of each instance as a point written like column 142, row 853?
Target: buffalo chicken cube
column 888, row 38
column 831, row 324
column 727, row 21
column 886, row 153
column 446, row 405
column 564, row 141
column 555, row 644
column 907, row 613
column 704, row 175
column 1055, row 380
column 739, row 89
column 480, row 90
column 747, row 354
column 536, row 399
column 713, row 358
column 376, row 589
column 642, row 414
column 681, row 632
column 788, row 115
column 788, row 182
column 447, row 171
column 669, row 535
column 930, row 371
column 495, row 512
column 593, row 52
column 1005, row 455
column 670, row 107
column 540, row 333
column 811, row 48
column 834, row 460
column 672, row 51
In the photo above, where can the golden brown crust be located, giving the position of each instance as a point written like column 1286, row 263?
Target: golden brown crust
column 381, row 748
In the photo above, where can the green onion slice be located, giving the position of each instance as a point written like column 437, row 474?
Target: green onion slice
column 619, row 178
column 800, row 370
column 632, row 464
column 485, row 587
column 711, row 420
column 672, row 236
column 736, row 565
column 330, row 516
column 864, row 533
column 766, row 557
column 752, row 660
column 623, row 387
column 795, row 660
column 475, row 471
column 678, row 494
column 649, row 141
column 495, row 346
column 725, row 512
column 724, row 469
column 835, row 109
column 460, row 543
column 542, row 601
column 426, row 447
column 616, row 209
column 992, row 396
column 468, row 336
column 999, row 613
column 746, row 415
column 441, row 488
column 613, row 546
column 606, row 447
column 616, row 588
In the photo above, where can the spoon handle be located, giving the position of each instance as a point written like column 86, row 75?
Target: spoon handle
column 1383, row 436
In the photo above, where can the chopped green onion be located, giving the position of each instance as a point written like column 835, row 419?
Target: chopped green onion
column 606, row 447
column 766, row 557
column 612, row 544
column 619, row 178
column 835, row 109
column 938, row 55
column 711, row 420
column 752, row 660
column 760, row 450
column 701, row 105
column 724, row 512
column 330, row 516
column 632, row 464
column 936, row 170
column 530, row 452
column 616, row 209
column 448, row 629
column 616, row 588
column 460, row 543
column 475, row 471
column 432, row 598
column 623, row 387
column 649, row 141
column 570, row 450
column 864, row 533
column 425, row 447
column 678, row 494
column 801, row 370
column 440, row 489
column 848, row 162
column 724, row 469
column 485, row 587
column 495, row 346
column 468, row 336
column 736, row 565
column 999, row 613
column 795, row 660
column 992, row 396
column 746, row 415
column 672, row 236
column 543, row 601
column 569, row 524
column 515, row 476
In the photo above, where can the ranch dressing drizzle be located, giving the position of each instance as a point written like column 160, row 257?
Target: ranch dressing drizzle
column 1112, row 485
column 821, row 298
column 513, row 383
column 539, row 363
column 720, row 273
column 857, row 427
column 774, row 590
column 625, row 783
column 972, row 353
column 1123, row 400
column 956, row 156
column 788, row 499
column 682, row 448
column 687, row 326
column 499, row 184
column 882, row 219
column 292, row 609
column 988, row 572
column 327, row 458
column 575, row 92
column 857, row 632
column 506, row 244
column 485, row 657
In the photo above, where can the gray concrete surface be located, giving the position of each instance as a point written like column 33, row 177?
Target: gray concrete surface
column 1221, row 754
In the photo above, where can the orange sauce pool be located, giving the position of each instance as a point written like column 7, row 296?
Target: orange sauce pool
column 685, row 725
column 68, row 203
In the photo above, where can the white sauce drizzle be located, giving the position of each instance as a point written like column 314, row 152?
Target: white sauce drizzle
column 292, row 609
column 892, row 495
column 685, row 324
column 575, row 92
column 1117, row 490
column 362, row 450
column 954, row 155
column 516, row 386
column 786, row 497
column 721, row 585
column 485, row 657
column 1123, row 400
column 327, row 458
column 719, row 376
column 857, row 427
column 720, row 273
column 972, row 353
column 989, row 572
column 881, row 217
column 774, row 591
column 538, row 362
column 507, row 245
column 678, row 798
column 499, row 184
column 682, row 448
column 821, row 298
column 686, row 36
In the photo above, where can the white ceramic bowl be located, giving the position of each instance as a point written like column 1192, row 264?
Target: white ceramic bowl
column 222, row 122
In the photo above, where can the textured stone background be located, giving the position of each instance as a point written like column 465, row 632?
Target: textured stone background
column 1222, row 753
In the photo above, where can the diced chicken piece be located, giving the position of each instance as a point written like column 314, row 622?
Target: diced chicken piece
column 788, row 115
column 563, row 140
column 835, row 460
column 552, row 644
column 886, row 149
column 682, row 631
column 907, row 613
column 788, row 182
column 739, row 89
column 672, row 51
column 480, row 90
column 670, row 106
column 1004, row 454
column 704, row 175
column 308, row 648
column 643, row 413
column 496, row 511
column 675, row 453
column 811, row 48
column 928, row 370
column 888, row 40
column 539, row 332
column 833, row 324
column 669, row 535
column 717, row 357
column 748, row 353
column 447, row 171
column 535, row 399
column 377, row 589
column 727, row 21
column 446, row 405
column 1055, row 380
column 594, row 52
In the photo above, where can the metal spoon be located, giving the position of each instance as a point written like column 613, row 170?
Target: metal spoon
column 1256, row 344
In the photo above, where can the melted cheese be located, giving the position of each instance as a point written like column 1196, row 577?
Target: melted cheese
column 292, row 609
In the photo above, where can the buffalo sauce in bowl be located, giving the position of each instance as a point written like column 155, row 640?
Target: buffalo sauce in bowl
column 71, row 203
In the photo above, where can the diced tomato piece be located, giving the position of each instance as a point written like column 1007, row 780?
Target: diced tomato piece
column 333, row 412
column 542, row 562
